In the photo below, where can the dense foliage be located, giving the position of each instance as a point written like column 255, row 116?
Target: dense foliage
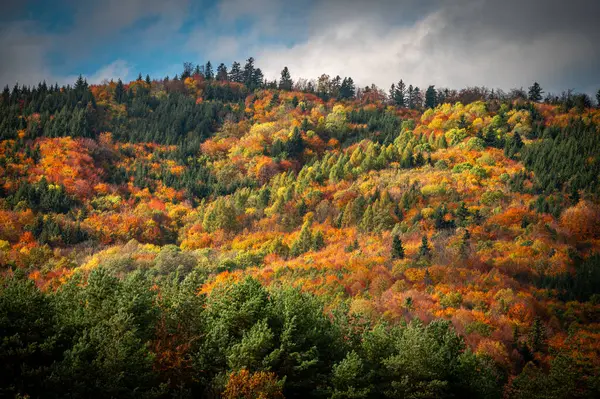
column 221, row 235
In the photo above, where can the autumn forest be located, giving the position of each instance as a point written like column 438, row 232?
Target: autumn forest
column 216, row 234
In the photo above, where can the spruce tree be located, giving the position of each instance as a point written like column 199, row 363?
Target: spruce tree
column 410, row 97
column 535, row 92
column 430, row 97
column 397, row 248
column 119, row 92
column 347, row 89
column 208, row 71
column 295, row 144
column 222, row 72
column 318, row 241
column 285, row 82
column 417, row 98
column 424, row 249
column 235, row 74
column 400, row 94
column 537, row 335
column 248, row 73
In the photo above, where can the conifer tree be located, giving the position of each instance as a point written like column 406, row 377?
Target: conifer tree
column 119, row 95
column 537, row 335
column 424, row 249
column 397, row 248
column 295, row 144
column 285, row 82
column 430, row 97
column 398, row 94
column 535, row 92
column 222, row 73
column 208, row 71
column 235, row 74
column 318, row 241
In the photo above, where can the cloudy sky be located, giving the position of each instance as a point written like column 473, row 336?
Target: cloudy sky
column 457, row 43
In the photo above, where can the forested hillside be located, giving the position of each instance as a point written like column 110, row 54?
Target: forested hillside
column 216, row 234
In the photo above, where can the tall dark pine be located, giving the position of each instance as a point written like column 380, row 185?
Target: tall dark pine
column 148, row 79
column 248, row 73
column 598, row 98
column 399, row 95
column 258, row 79
column 410, row 97
column 80, row 84
column 119, row 92
column 430, row 97
column 424, row 249
column 347, row 89
column 208, row 71
column 235, row 75
column 222, row 72
column 397, row 248
column 295, row 144
column 417, row 98
column 285, row 82
column 535, row 92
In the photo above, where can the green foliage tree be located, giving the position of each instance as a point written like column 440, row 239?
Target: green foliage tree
column 347, row 89
column 430, row 97
column 397, row 248
column 535, row 92
column 235, row 74
column 424, row 252
column 222, row 74
column 119, row 95
column 208, row 71
column 285, row 82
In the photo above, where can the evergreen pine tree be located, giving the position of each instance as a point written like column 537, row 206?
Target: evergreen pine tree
column 119, row 95
column 410, row 97
column 400, row 94
column 222, row 72
column 295, row 144
column 285, row 82
column 318, row 240
column 430, row 97
column 235, row 74
column 208, row 71
column 424, row 249
column 535, row 92
column 397, row 248
column 248, row 73
column 537, row 335
column 347, row 89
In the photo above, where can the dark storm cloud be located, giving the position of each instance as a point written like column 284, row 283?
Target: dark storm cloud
column 447, row 43
column 495, row 43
